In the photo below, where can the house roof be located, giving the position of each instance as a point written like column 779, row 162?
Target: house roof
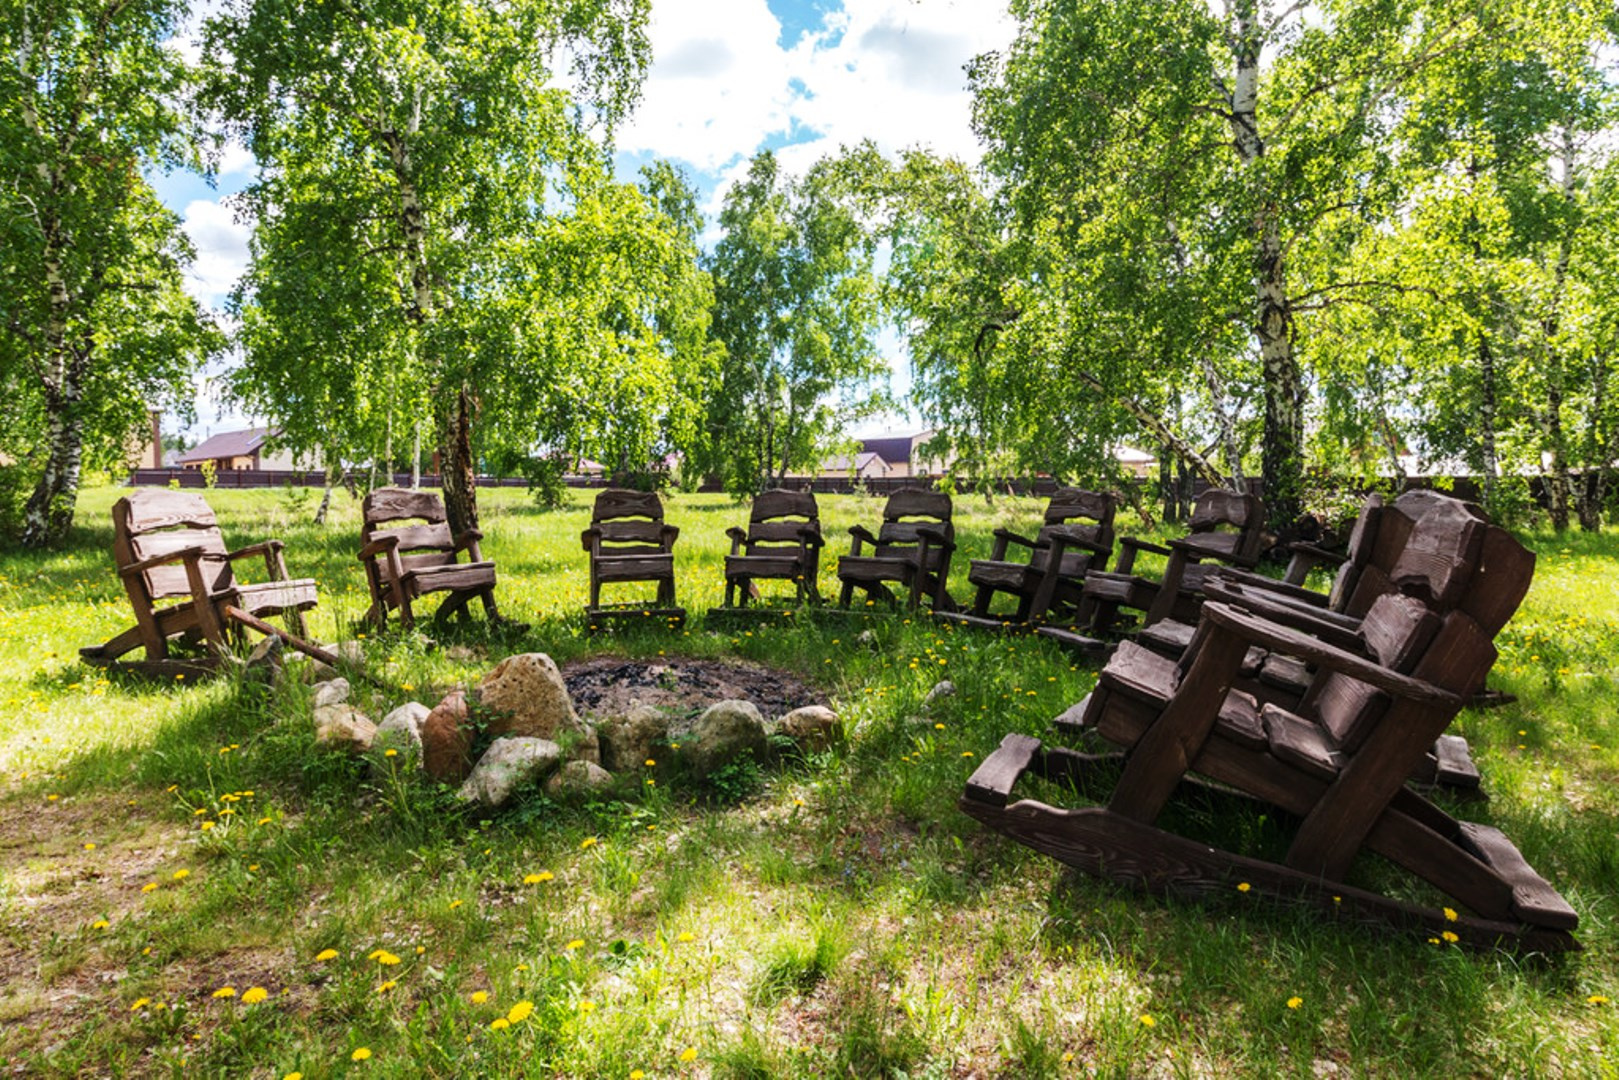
column 862, row 461
column 228, row 444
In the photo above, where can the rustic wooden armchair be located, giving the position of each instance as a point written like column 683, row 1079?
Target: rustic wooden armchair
column 1225, row 527
column 409, row 552
column 168, row 547
column 782, row 542
column 1075, row 539
column 1338, row 764
column 628, row 541
column 912, row 554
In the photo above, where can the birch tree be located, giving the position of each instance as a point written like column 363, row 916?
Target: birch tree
column 95, row 325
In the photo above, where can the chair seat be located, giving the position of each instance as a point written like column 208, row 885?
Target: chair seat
column 870, row 568
column 635, row 567
column 1005, row 576
column 274, row 597
column 452, row 576
column 764, row 566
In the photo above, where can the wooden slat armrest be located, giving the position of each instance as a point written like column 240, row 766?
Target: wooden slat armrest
column 1307, row 550
column 738, row 537
column 186, row 554
column 1011, row 537
column 1261, row 583
column 1338, row 632
column 1144, row 545
column 811, row 536
column 379, row 546
column 669, row 534
column 861, row 535
column 934, row 535
column 1073, row 538
column 1280, row 639
column 1196, row 552
column 467, row 538
column 263, row 547
column 591, row 540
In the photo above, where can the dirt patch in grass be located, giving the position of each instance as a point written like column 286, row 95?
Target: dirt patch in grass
column 611, row 685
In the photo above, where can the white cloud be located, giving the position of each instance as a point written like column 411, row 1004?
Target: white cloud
column 222, row 252
column 721, row 83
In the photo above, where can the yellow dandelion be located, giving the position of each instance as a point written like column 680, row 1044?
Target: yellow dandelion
column 252, row 868
column 576, row 943
column 966, row 753
column 293, row 1076
column 420, row 949
column 139, row 1004
column 361, row 1053
column 1450, row 937
column 455, row 904
column 254, row 994
column 520, row 1012
column 499, row 1023
column 1244, row 887
column 1147, row 1021
column 326, row 954
column 265, row 820
column 1294, row 1002
column 637, row 1074
column 207, row 825
column 181, row 874
column 689, row 1054
column 480, row 996
column 387, row 986
column 650, row 762
column 938, row 727
column 587, row 842
column 1597, row 999
column 89, row 847
column 586, row 1005
column 386, row 958
column 225, row 992
column 99, row 924
column 1450, row 915
column 540, row 878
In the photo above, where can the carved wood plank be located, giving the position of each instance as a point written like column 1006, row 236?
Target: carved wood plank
column 917, row 502
column 401, row 504
column 1454, row 765
column 620, row 503
column 778, row 503
column 634, row 567
column 992, row 782
column 433, row 537
column 150, row 509
column 1299, row 742
column 1533, row 898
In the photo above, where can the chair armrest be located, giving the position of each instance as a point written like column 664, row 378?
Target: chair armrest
column 1009, row 536
column 182, row 555
column 738, row 538
column 1335, row 630
column 378, row 547
column 266, row 548
column 1318, row 554
column 467, row 541
column 1143, row 545
column 1280, row 639
column 1196, row 552
column 591, row 540
column 669, row 534
column 935, row 535
column 861, row 535
column 1274, row 586
column 1065, row 538
column 811, row 537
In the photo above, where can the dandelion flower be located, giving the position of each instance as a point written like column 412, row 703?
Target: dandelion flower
column 254, row 994
column 480, row 996
column 587, row 842
column 420, row 949
column 689, row 1054
column 225, row 992
column 637, row 1074
column 361, row 1053
column 181, row 874
column 520, row 1012
column 99, row 924
column 499, row 1023
column 207, row 825
column 1294, row 1002
column 265, row 820
column 386, row 958
column 536, row 879
column 387, row 986
column 686, row 935
column 1450, row 937
column 586, row 1005
column 455, row 904
column 390, row 753
column 576, row 943
column 1450, row 915
column 89, row 847
column 1147, row 1021
column 140, row 1003
column 252, row 868
column 293, row 1076
column 1597, row 999
column 326, row 954
column 1244, row 887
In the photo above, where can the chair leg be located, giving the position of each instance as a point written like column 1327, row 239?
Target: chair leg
column 846, row 593
column 981, row 602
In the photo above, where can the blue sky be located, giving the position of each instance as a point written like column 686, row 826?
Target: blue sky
column 728, row 77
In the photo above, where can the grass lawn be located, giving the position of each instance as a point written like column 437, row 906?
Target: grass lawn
column 838, row 917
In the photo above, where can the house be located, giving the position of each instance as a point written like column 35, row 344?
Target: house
column 862, row 466
column 233, row 451
column 902, row 454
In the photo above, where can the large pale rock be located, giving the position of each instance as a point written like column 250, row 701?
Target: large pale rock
column 629, row 741
column 507, row 765
column 344, row 726
column 446, row 734
column 402, row 728
column 725, row 732
column 578, row 778
column 331, row 692
column 525, row 696
column 814, row 727
column 942, row 689
column 266, row 663
column 350, row 652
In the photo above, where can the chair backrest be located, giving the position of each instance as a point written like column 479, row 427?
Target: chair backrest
column 1069, row 505
column 417, row 518
column 779, row 518
column 1228, row 524
column 631, row 522
column 157, row 521
column 900, row 530
column 1362, row 543
column 1396, row 632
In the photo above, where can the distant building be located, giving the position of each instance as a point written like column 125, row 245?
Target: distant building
column 902, row 454
column 233, row 451
column 862, row 466
column 1137, row 463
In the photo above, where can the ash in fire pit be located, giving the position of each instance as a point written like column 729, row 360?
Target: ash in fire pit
column 607, row 686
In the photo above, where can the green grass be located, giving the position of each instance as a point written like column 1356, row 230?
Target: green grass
column 833, row 917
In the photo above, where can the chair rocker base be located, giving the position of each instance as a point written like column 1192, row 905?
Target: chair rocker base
column 1109, row 845
column 170, row 668
column 600, row 616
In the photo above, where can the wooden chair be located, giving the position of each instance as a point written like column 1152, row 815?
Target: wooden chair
column 1075, row 539
column 168, row 547
column 782, row 542
column 1225, row 527
column 408, row 552
column 913, row 554
column 629, row 541
column 1338, row 765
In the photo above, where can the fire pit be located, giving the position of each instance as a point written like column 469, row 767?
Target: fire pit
column 610, row 685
